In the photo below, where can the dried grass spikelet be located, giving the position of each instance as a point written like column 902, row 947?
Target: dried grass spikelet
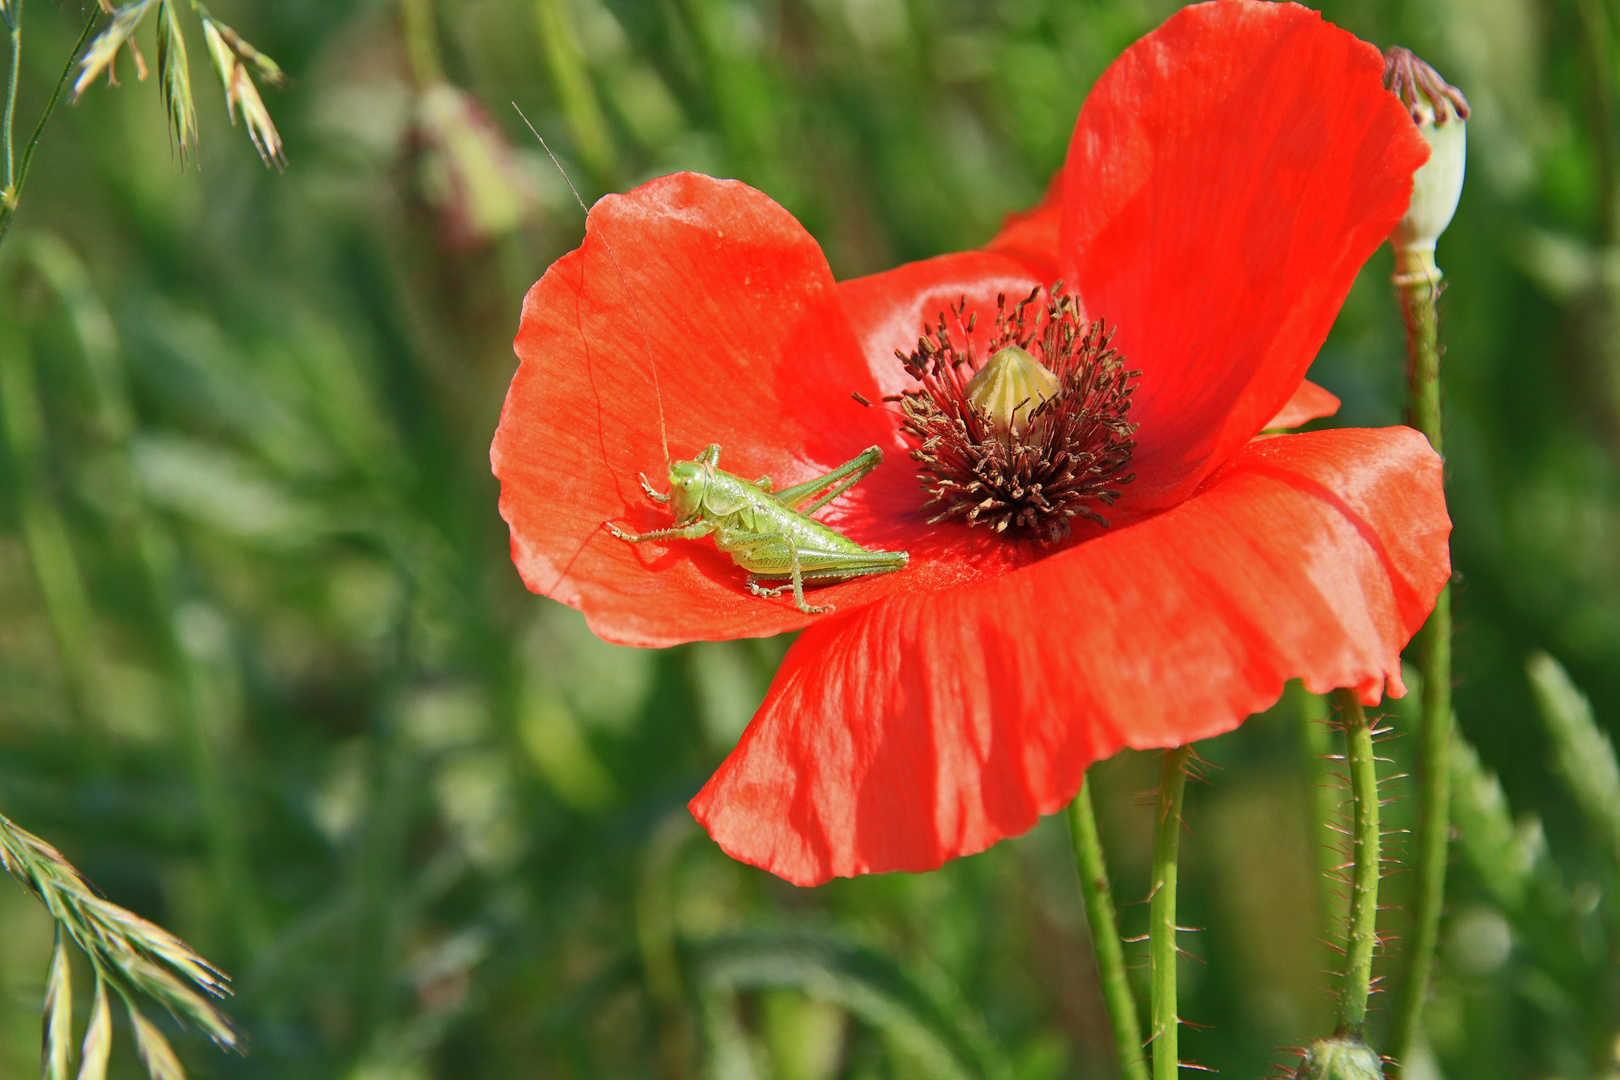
column 174, row 79
column 102, row 52
column 97, row 1047
column 231, row 57
column 234, row 61
column 156, row 1053
column 58, row 1018
column 128, row 953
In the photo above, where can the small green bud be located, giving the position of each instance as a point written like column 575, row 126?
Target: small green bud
column 1340, row 1056
column 1441, row 113
column 1010, row 387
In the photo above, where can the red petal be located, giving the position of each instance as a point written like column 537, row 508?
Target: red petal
column 889, row 311
column 753, row 352
column 1310, row 402
column 1228, row 176
column 930, row 726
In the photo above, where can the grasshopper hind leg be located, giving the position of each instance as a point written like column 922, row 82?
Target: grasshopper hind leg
column 795, row 582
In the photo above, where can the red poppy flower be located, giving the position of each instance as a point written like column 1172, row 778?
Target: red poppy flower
column 1228, row 176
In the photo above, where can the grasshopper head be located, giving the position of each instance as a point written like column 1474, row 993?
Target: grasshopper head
column 687, row 482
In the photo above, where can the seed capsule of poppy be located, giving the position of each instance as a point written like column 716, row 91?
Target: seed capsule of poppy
column 1010, row 387
column 1441, row 113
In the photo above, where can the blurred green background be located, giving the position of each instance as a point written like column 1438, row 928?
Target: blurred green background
column 268, row 677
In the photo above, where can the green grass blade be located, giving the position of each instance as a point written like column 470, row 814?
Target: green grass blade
column 1583, row 754
column 945, row 1035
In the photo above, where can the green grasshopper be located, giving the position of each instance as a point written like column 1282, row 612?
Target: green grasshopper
column 768, row 533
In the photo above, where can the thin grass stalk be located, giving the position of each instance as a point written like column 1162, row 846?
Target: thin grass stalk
column 12, row 193
column 572, row 81
column 1162, row 914
column 380, row 858
column 1362, row 935
column 1099, row 898
column 45, row 533
column 1594, row 54
column 1418, row 305
column 8, row 123
column 221, row 816
column 655, row 939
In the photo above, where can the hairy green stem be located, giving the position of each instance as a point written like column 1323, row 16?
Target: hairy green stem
column 12, row 193
column 1362, row 936
column 1162, row 913
column 1088, row 860
column 1418, row 305
column 1434, row 661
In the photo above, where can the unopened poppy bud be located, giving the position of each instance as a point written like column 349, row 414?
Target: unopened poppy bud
column 1010, row 387
column 1441, row 112
column 1340, row 1057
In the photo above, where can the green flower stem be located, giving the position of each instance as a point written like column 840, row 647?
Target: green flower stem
column 1088, row 860
column 1418, row 296
column 1365, row 867
column 1162, row 914
column 421, row 42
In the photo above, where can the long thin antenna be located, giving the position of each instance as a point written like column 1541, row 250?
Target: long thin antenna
column 646, row 342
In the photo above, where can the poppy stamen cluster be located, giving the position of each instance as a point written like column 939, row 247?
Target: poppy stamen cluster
column 1062, row 450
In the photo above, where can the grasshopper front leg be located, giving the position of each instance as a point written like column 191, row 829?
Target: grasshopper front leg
column 695, row 531
column 653, row 494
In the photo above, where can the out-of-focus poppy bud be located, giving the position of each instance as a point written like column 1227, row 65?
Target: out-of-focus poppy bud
column 466, row 170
